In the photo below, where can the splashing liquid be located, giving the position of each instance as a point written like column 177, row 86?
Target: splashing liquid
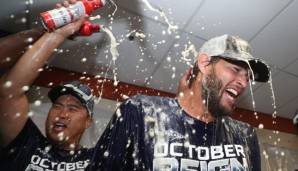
column 252, row 98
column 185, row 54
column 274, row 114
column 273, row 96
column 272, row 93
column 97, row 17
column 251, row 89
column 114, row 52
column 97, row 100
column 137, row 34
column 163, row 15
column 116, row 7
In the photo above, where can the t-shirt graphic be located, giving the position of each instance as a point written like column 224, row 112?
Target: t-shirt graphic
column 31, row 151
column 150, row 133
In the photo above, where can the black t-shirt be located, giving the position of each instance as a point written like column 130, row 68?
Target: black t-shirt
column 31, row 151
column 154, row 133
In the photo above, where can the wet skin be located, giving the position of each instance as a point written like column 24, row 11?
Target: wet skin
column 226, row 81
column 66, row 122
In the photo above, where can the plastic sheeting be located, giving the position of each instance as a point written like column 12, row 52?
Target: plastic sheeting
column 276, row 158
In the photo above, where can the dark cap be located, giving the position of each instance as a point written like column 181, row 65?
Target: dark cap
column 235, row 48
column 77, row 89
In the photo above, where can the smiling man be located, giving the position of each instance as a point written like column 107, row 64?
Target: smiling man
column 70, row 114
column 22, row 145
column 194, row 130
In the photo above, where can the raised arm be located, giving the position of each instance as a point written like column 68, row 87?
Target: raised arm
column 14, row 105
column 13, row 46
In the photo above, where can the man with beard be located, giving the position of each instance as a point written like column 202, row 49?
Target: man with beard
column 194, row 130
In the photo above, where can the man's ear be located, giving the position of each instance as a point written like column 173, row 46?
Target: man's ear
column 203, row 61
column 88, row 122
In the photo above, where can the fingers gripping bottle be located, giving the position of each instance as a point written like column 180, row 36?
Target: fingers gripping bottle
column 59, row 17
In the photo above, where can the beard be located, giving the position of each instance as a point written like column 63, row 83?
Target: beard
column 211, row 93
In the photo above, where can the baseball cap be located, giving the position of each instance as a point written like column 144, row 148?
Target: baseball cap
column 235, row 48
column 77, row 89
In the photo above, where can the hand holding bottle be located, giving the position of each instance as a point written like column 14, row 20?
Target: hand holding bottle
column 70, row 12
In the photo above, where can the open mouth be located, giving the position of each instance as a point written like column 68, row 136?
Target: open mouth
column 59, row 126
column 232, row 94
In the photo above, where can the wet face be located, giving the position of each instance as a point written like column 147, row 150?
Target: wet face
column 223, row 85
column 67, row 120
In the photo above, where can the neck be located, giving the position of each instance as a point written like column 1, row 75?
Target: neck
column 68, row 145
column 192, row 103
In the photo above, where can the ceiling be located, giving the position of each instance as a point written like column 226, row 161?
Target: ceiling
column 155, row 61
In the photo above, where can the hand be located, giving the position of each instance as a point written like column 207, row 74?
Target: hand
column 183, row 83
column 71, row 28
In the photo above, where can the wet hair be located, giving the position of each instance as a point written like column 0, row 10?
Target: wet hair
column 195, row 70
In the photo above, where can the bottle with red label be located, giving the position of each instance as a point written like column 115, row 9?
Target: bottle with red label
column 59, row 17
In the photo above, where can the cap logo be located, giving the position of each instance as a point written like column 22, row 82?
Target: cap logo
column 231, row 44
column 83, row 95
column 237, row 45
column 243, row 46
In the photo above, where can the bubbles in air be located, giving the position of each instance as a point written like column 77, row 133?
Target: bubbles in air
column 72, row 146
column 106, row 154
column 30, row 2
column 18, row 114
column 25, row 88
column 83, row 60
column 30, row 114
column 7, row 59
column 23, row 20
column 118, row 113
column 47, row 149
column 37, row 103
column 261, row 126
column 7, row 84
column 61, row 136
column 71, row 152
column 29, row 40
column 265, row 154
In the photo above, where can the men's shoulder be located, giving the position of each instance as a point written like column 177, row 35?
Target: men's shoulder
column 148, row 100
column 240, row 126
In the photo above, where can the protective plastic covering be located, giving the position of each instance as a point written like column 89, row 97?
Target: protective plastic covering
column 276, row 158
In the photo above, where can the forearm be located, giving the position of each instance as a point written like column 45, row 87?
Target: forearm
column 25, row 70
column 13, row 46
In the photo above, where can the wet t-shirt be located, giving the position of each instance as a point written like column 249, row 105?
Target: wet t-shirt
column 31, row 151
column 154, row 133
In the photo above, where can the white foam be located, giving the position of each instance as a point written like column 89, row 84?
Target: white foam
column 171, row 27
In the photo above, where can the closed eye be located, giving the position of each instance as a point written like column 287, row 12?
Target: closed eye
column 56, row 105
column 74, row 108
column 236, row 69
